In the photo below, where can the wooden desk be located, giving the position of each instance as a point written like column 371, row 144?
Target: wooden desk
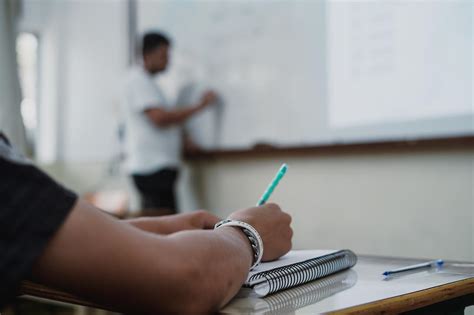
column 31, row 289
column 361, row 290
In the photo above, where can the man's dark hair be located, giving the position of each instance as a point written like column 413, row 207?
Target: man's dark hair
column 153, row 40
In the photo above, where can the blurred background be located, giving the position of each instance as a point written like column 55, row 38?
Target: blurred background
column 369, row 103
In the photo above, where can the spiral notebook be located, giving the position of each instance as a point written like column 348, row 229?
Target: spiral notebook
column 297, row 267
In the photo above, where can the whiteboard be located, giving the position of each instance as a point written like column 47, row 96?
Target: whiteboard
column 317, row 72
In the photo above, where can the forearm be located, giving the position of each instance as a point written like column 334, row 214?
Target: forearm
column 114, row 264
column 165, row 118
column 195, row 220
column 221, row 259
column 157, row 226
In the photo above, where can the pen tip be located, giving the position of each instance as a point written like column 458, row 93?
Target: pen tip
column 385, row 273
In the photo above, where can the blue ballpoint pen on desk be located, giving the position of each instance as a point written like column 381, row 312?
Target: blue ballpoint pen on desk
column 273, row 184
column 435, row 263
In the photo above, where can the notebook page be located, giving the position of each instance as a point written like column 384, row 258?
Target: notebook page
column 292, row 257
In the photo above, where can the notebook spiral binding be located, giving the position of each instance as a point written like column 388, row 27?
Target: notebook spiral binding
column 310, row 293
column 302, row 272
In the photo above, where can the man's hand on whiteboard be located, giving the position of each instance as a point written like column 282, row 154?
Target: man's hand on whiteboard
column 209, row 97
column 272, row 224
column 164, row 118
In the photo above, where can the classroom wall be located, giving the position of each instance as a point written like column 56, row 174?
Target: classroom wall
column 83, row 61
column 416, row 203
column 46, row 20
column 96, row 55
column 412, row 204
column 10, row 119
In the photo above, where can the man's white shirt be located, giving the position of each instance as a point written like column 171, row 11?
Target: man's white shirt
column 149, row 148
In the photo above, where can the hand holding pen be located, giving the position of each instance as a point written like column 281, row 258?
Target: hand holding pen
column 270, row 221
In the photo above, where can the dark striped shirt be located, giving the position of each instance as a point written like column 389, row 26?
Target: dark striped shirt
column 32, row 208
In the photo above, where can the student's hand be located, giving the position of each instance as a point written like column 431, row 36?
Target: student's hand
column 196, row 220
column 208, row 98
column 272, row 224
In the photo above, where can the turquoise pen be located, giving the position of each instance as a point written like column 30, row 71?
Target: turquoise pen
column 273, row 184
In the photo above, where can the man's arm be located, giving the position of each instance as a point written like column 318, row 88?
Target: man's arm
column 113, row 263
column 164, row 118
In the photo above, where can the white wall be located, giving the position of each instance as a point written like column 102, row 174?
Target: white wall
column 44, row 19
column 412, row 204
column 83, row 59
column 10, row 118
column 96, row 62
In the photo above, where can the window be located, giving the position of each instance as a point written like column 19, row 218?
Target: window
column 27, row 58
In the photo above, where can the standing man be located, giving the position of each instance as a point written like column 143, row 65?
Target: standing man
column 154, row 129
